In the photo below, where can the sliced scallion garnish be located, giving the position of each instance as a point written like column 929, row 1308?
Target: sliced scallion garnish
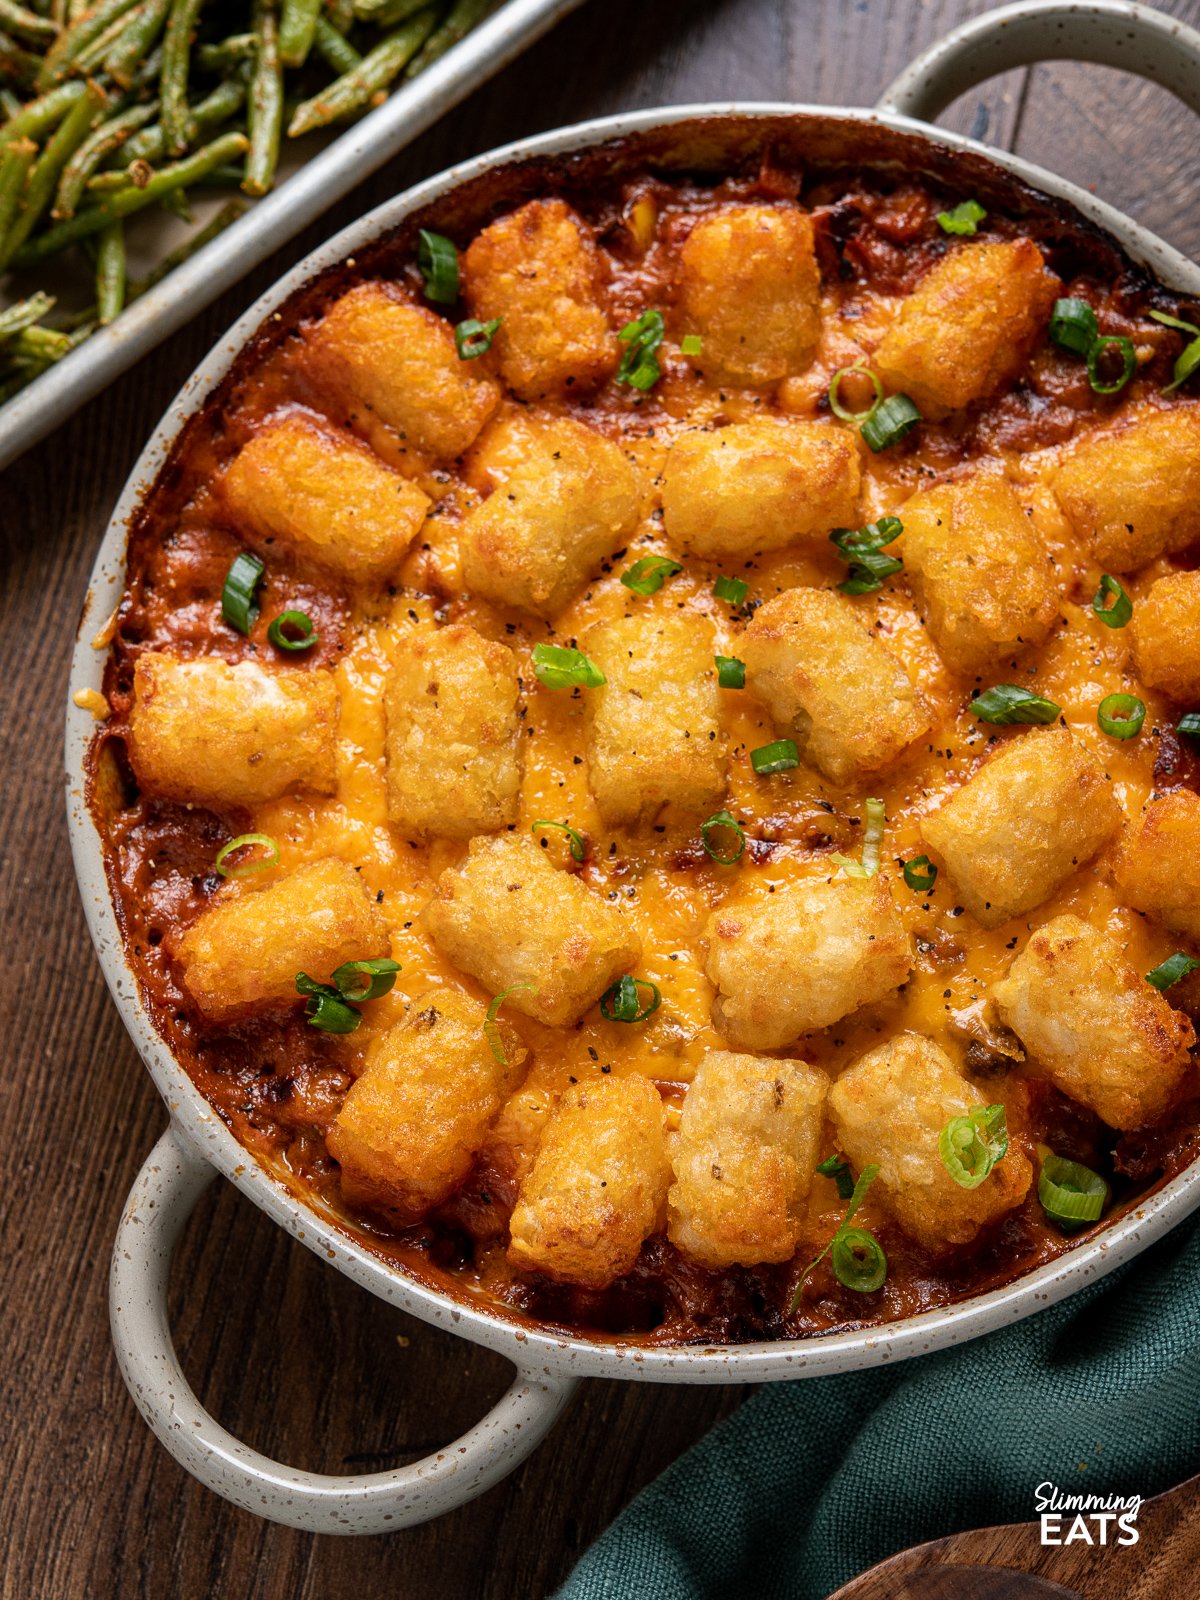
column 1070, row 1193
column 246, row 869
column 838, row 1168
column 1188, row 359
column 1189, row 724
column 971, row 1146
column 844, row 413
column 578, row 848
column 333, row 1007
column 1007, row 703
column 872, row 844
column 691, row 344
column 560, row 667
column 366, row 980
column 963, row 219
column 491, row 1026
column 1121, row 716
column 891, row 420
column 734, row 590
column 863, row 549
column 731, row 673
column 639, row 366
column 292, row 631
column 858, row 1261
column 1099, row 353
column 238, row 605
column 648, row 574
column 920, row 874
column 858, row 1194
column 1073, row 326
column 1117, row 614
column 779, row 756
column 438, row 260
column 622, row 1003
column 723, row 822
column 1171, row 970
column 474, row 339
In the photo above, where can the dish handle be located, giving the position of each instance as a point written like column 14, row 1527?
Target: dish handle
column 161, row 1200
column 1112, row 33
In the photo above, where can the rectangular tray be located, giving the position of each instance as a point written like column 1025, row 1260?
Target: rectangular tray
column 49, row 400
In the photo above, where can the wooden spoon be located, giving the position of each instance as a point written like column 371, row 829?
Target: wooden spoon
column 1012, row 1563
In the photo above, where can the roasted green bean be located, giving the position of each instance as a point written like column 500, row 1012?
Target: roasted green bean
column 105, row 141
column 173, row 92
column 265, row 119
column 355, row 90
column 136, row 39
column 110, row 273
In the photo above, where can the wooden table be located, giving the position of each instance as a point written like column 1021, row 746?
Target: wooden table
column 283, row 1350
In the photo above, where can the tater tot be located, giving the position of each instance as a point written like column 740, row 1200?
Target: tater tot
column 750, row 288
column 969, row 326
column 831, row 685
column 245, row 950
column 980, row 571
column 395, row 364
column 654, row 729
column 573, row 499
column 802, row 958
column 748, row 1144
column 1090, row 1020
column 410, row 1128
column 453, row 735
column 1023, row 823
column 540, row 272
column 597, row 1186
column 507, row 916
column 206, row 733
column 1166, row 636
column 320, row 494
column 1133, row 492
column 889, row 1109
column 1157, row 862
column 759, row 485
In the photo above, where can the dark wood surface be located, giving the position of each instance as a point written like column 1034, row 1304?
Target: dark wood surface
column 284, row 1351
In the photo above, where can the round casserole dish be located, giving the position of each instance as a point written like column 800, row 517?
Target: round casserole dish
column 197, row 1144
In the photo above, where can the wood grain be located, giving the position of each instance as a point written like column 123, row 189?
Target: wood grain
column 283, row 1350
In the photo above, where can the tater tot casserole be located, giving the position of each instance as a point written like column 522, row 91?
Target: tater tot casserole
column 650, row 753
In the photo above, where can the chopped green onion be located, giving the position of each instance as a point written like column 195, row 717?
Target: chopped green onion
column 734, row 590
column 561, row 668
column 647, row 575
column 1119, row 613
column 1188, row 360
column 326, row 1009
column 781, row 756
column 873, row 836
column 1121, row 715
column 863, row 549
column 256, row 864
column 1073, row 326
column 365, row 980
column 866, row 1179
column 1189, row 724
column 891, row 420
column 1006, row 703
column 971, row 1146
column 731, row 673
column 491, row 1026
column 1069, row 1191
column 438, row 261
column 639, row 366
column 1097, row 354
column 621, row 1003
column 723, row 820
column 1171, row 970
column 691, row 344
column 964, row 219
column 920, row 874
column 858, row 1261
column 838, row 1168
column 473, row 339
column 238, row 607
column 578, row 848
column 843, row 413
column 292, row 630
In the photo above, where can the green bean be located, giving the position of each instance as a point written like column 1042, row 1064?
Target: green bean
column 43, row 179
column 181, row 25
column 297, row 27
column 44, row 113
column 18, row 65
column 335, row 51
column 15, row 163
column 266, row 106
column 38, row 344
column 178, row 204
column 341, row 14
column 138, row 173
column 464, row 14
column 16, row 19
column 90, row 59
column 228, row 53
column 109, row 137
column 61, row 56
column 354, row 90
column 110, row 273
column 138, row 36
column 387, row 13
column 24, row 313
column 179, row 175
column 224, row 102
column 10, row 106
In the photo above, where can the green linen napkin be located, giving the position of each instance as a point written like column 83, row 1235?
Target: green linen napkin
column 812, row 1481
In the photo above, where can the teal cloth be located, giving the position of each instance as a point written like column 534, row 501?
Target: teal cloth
column 811, row 1482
